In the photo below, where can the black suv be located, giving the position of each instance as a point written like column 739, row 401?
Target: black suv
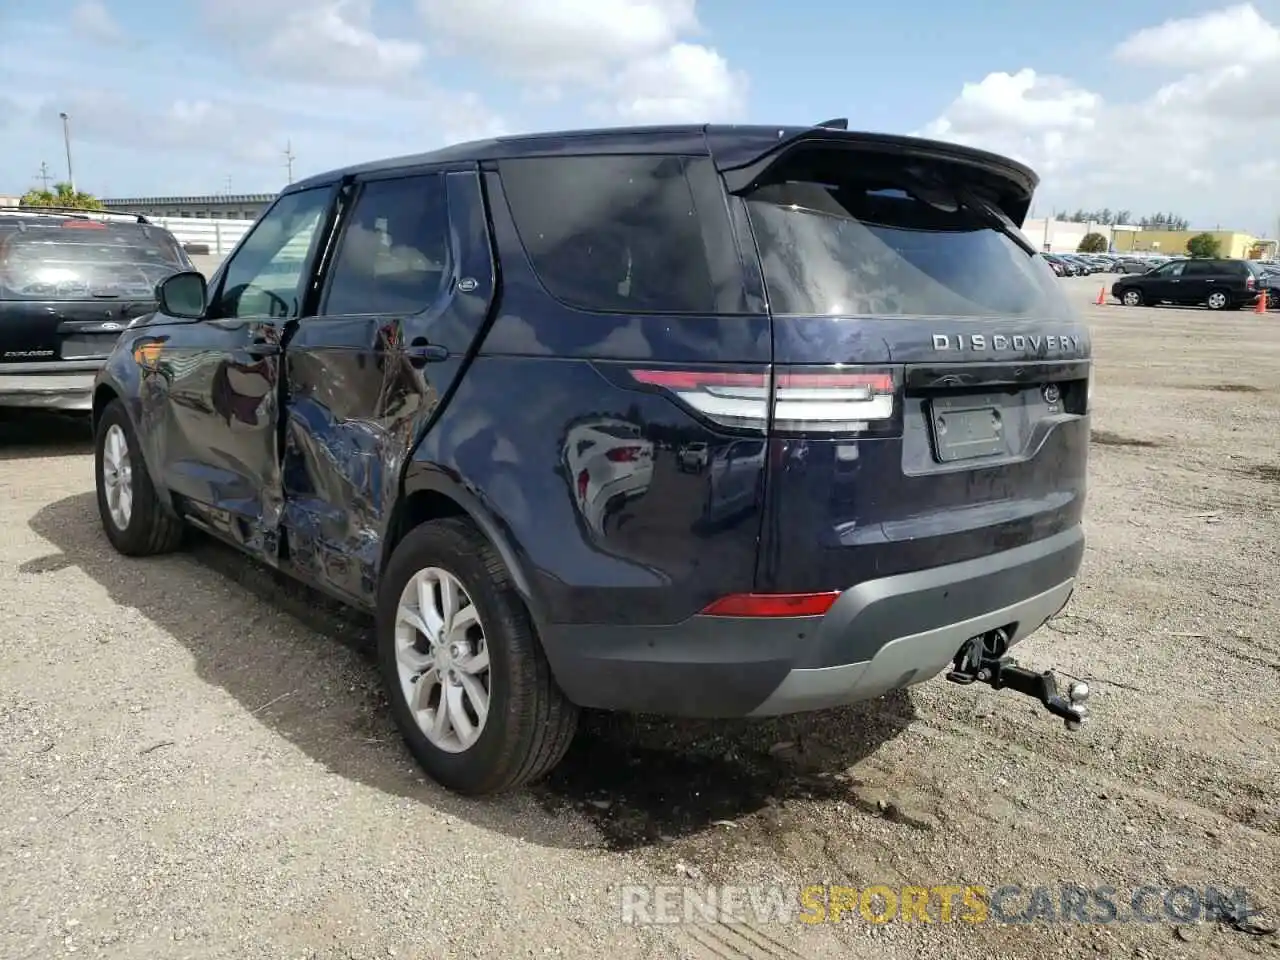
column 703, row 421
column 70, row 282
column 1217, row 284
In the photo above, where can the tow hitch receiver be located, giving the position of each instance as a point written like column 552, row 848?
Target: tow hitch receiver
column 983, row 659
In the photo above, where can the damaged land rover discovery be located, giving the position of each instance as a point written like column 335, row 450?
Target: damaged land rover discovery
column 460, row 390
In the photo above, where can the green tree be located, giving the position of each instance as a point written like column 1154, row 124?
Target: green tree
column 1203, row 245
column 62, row 195
column 1092, row 243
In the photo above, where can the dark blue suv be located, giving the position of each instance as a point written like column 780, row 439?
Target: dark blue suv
column 702, row 421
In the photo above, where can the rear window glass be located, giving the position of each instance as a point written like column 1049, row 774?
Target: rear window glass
column 63, row 263
column 855, row 244
column 626, row 233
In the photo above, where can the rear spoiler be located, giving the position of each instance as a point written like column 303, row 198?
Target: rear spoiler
column 744, row 155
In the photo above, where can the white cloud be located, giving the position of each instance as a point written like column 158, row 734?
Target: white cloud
column 342, row 81
column 328, row 41
column 636, row 55
column 1231, row 35
column 686, row 82
column 1197, row 145
column 93, row 20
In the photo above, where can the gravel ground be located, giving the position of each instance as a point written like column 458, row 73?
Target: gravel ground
column 197, row 762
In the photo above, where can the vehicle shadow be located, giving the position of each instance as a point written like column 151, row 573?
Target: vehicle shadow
column 31, row 435
column 639, row 780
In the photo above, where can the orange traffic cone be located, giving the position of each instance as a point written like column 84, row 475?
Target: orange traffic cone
column 1261, row 305
column 1102, row 296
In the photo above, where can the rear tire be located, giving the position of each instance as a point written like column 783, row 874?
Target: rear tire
column 1131, row 297
column 528, row 722
column 133, row 518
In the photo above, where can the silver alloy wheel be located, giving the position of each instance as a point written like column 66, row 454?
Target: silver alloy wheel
column 1132, row 298
column 1217, row 300
column 117, row 477
column 442, row 657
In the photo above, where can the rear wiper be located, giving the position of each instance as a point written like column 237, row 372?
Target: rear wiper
column 993, row 217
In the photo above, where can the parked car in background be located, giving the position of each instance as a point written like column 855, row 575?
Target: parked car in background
column 1134, row 265
column 1219, row 284
column 1059, row 269
column 1069, row 267
column 70, row 282
column 417, row 384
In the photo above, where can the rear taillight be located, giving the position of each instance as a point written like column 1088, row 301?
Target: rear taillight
column 623, row 454
column 833, row 401
column 1250, row 282
column 772, row 605
column 584, row 478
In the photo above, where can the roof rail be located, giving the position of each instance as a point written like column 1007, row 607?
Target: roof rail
column 77, row 212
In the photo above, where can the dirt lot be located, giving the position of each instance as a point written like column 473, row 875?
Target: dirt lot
column 197, row 762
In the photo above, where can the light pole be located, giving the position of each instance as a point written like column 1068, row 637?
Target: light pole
column 66, row 139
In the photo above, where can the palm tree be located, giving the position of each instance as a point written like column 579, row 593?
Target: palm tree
column 62, row 195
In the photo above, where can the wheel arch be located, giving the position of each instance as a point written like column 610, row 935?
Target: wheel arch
column 428, row 492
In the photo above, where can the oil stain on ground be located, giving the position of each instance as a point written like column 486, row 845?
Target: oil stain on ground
column 1105, row 438
column 643, row 780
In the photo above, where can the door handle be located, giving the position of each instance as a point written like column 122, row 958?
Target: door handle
column 420, row 351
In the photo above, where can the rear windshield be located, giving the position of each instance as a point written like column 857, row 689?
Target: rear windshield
column 857, row 244
column 61, row 263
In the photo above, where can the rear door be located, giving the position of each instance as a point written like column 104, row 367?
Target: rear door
column 68, row 287
column 408, row 287
column 1200, row 278
column 930, row 379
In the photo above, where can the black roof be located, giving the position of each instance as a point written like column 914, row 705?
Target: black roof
column 730, row 145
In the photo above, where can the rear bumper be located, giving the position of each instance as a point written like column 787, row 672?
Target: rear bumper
column 879, row 636
column 65, row 391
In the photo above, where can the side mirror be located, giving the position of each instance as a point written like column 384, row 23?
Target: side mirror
column 183, row 295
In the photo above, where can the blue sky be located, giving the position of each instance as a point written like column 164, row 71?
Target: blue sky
column 1140, row 105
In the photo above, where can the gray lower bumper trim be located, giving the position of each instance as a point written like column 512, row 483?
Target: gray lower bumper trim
column 59, row 391
column 906, row 660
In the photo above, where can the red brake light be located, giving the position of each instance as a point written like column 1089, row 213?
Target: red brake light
column 827, row 402
column 772, row 605
column 623, row 454
column 583, row 479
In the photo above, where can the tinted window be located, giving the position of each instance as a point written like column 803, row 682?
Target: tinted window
column 835, row 239
column 1201, row 268
column 626, row 234
column 56, row 262
column 265, row 275
column 394, row 254
column 1171, row 269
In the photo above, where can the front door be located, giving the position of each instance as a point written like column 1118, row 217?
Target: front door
column 1164, row 283
column 402, row 300
column 220, row 418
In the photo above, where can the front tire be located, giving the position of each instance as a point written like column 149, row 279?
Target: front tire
column 1218, row 300
column 1131, row 297
column 133, row 518
column 469, row 685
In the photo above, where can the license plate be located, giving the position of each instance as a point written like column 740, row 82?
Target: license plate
column 88, row 345
column 965, row 430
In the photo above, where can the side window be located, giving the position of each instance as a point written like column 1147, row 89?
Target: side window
column 265, row 276
column 393, row 256
column 1172, row 269
column 626, row 233
column 1199, row 268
